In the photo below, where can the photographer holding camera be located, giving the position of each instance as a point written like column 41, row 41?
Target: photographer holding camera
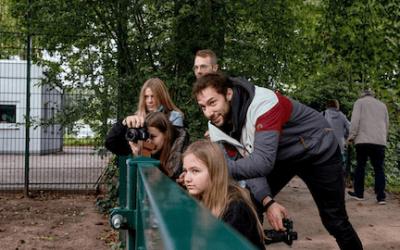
column 270, row 138
column 168, row 141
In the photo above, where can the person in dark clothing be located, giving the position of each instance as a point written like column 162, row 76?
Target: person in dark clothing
column 271, row 138
column 169, row 140
column 206, row 178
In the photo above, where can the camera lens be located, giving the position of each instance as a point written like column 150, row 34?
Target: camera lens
column 131, row 135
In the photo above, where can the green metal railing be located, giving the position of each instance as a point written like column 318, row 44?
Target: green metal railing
column 159, row 214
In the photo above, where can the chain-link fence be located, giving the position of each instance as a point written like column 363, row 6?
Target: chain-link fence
column 40, row 150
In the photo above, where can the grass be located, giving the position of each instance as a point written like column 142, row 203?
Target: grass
column 392, row 183
column 69, row 140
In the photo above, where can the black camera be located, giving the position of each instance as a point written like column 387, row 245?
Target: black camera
column 287, row 236
column 137, row 134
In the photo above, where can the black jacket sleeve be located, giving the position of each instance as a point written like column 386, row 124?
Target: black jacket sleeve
column 115, row 140
column 240, row 217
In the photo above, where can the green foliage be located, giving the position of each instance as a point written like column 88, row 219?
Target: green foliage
column 110, row 180
column 99, row 53
column 70, row 140
column 118, row 246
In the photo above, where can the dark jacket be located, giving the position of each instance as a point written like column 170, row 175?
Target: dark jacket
column 240, row 217
column 116, row 143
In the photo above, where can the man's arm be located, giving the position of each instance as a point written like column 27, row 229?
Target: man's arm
column 387, row 122
column 261, row 161
column 262, row 193
column 346, row 125
column 355, row 120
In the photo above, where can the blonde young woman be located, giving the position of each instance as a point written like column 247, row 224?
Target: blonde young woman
column 207, row 179
column 154, row 96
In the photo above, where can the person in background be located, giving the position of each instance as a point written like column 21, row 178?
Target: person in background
column 369, row 130
column 205, row 62
column 339, row 124
column 169, row 142
column 270, row 139
column 207, row 179
column 154, row 96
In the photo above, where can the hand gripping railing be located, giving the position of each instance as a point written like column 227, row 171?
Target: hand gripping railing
column 159, row 214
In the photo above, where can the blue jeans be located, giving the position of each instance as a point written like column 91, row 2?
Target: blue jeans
column 376, row 153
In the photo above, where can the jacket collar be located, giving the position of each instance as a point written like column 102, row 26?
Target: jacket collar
column 243, row 94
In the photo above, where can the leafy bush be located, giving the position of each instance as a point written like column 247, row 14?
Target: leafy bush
column 69, row 140
column 111, row 174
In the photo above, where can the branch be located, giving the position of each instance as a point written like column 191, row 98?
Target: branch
column 138, row 20
column 102, row 20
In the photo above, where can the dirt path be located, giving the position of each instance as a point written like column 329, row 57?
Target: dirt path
column 35, row 224
column 65, row 223
column 378, row 226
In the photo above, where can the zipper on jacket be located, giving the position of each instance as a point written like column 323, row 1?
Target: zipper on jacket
column 302, row 142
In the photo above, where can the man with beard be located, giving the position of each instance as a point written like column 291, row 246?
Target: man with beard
column 271, row 138
column 205, row 62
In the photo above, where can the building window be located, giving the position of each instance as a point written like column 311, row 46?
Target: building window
column 8, row 113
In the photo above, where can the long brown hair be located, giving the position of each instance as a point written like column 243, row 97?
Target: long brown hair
column 160, row 121
column 221, row 190
column 160, row 93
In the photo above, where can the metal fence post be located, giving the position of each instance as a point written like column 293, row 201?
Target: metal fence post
column 126, row 218
column 27, row 124
column 131, row 203
column 122, row 188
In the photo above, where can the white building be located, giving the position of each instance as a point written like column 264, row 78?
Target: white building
column 44, row 104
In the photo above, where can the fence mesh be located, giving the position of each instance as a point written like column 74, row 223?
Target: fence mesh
column 52, row 155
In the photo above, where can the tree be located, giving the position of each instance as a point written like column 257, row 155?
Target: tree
column 311, row 50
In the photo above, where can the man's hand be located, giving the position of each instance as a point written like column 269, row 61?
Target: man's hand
column 133, row 121
column 207, row 134
column 274, row 214
column 348, row 143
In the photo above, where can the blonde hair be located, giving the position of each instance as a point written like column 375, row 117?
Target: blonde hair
column 221, row 190
column 160, row 93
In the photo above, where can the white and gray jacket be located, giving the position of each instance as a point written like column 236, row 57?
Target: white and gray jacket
column 270, row 130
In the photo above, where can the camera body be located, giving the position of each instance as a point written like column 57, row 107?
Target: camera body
column 137, row 134
column 278, row 236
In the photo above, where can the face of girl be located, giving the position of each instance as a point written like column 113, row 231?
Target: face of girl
column 156, row 137
column 150, row 101
column 197, row 176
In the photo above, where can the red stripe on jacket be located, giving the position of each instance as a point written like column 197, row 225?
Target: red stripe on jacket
column 278, row 115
